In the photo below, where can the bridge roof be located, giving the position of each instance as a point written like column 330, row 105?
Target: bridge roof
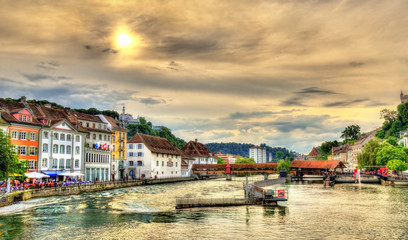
column 323, row 164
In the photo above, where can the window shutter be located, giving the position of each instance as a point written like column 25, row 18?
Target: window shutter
column 36, row 151
column 18, row 149
column 28, row 136
column 18, row 135
column 36, row 136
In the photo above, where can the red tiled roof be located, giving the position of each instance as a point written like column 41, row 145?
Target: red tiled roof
column 324, row 164
column 196, row 149
column 155, row 144
column 86, row 117
column 112, row 121
column 340, row 149
column 314, row 152
column 14, row 107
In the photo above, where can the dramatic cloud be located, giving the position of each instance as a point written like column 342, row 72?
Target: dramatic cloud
column 213, row 70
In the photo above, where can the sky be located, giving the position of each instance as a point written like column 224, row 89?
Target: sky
column 281, row 72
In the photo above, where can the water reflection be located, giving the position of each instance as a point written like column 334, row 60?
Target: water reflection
column 356, row 211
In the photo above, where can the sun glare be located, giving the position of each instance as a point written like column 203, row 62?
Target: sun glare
column 124, row 40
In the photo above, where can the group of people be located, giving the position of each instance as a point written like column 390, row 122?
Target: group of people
column 34, row 183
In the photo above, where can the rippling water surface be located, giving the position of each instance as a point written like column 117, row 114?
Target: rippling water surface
column 345, row 211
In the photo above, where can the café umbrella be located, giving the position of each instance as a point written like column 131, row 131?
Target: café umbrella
column 36, row 175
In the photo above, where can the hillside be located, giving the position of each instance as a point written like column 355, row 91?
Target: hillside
column 243, row 149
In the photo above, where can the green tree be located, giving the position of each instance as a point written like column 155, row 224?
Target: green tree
column 9, row 162
column 279, row 155
column 284, row 165
column 244, row 160
column 369, row 155
column 220, row 161
column 389, row 152
column 388, row 115
column 397, row 165
column 326, row 147
column 351, row 132
column 392, row 140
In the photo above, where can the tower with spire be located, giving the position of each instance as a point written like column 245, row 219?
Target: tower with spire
column 404, row 98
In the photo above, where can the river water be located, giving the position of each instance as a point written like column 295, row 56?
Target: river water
column 345, row 211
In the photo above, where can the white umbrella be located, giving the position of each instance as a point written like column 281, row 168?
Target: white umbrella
column 36, row 175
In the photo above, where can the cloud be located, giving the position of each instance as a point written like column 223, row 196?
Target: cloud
column 151, row 101
column 345, row 103
column 251, row 115
column 314, row 91
column 356, row 64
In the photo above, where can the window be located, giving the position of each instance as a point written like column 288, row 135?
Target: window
column 94, row 136
column 176, row 164
column 76, row 163
column 62, row 149
column 77, row 139
column 130, row 154
column 68, row 149
column 68, row 163
column 45, row 135
column 32, row 151
column 139, row 146
column 32, row 164
column 56, row 136
column 33, row 136
column 77, row 150
column 140, row 154
column 113, row 139
column 104, row 137
column 162, row 154
column 44, row 163
column 108, row 138
column 54, row 163
column 130, row 163
column 61, row 164
column 62, row 137
column 23, row 150
column 87, row 124
column 99, row 126
column 55, row 148
column 23, row 135
column 68, row 137
column 157, row 163
column 139, row 163
column 14, row 135
column 93, row 125
column 113, row 156
column 25, row 119
column 20, row 117
column 100, row 136
column 162, row 163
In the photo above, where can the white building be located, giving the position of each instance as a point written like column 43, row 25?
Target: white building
column 61, row 149
column 258, row 154
column 152, row 157
column 197, row 153
column 98, row 146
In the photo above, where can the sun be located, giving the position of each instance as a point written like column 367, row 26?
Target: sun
column 124, row 40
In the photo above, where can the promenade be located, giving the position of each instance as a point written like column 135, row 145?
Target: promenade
column 79, row 188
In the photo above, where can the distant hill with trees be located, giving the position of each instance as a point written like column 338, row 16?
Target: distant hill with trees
column 243, row 150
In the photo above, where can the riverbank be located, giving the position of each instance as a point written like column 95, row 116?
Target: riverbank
column 77, row 189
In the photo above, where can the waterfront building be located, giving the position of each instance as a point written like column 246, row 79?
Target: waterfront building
column 199, row 152
column 152, row 157
column 358, row 145
column 23, row 128
column 313, row 154
column 97, row 147
column 342, row 153
column 61, row 142
column 119, row 147
column 258, row 154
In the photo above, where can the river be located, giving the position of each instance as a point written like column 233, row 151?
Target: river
column 345, row 211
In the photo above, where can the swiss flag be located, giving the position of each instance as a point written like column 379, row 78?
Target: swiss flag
column 104, row 146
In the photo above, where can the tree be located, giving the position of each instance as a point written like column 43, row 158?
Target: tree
column 326, row 147
column 388, row 115
column 351, row 132
column 392, row 140
column 220, row 161
column 397, row 165
column 244, row 160
column 284, row 165
column 369, row 155
column 9, row 162
column 279, row 155
column 389, row 152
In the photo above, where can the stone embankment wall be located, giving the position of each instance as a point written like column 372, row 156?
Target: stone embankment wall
column 79, row 189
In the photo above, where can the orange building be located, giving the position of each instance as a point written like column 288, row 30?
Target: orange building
column 23, row 130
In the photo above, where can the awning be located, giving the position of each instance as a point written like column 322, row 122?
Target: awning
column 54, row 173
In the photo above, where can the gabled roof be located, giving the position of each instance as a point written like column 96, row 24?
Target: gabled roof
column 340, row 149
column 87, row 117
column 365, row 137
column 15, row 107
column 112, row 122
column 155, row 144
column 323, row 164
column 196, row 149
column 314, row 152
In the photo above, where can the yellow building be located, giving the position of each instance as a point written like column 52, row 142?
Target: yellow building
column 119, row 151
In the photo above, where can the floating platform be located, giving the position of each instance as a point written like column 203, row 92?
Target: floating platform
column 211, row 202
